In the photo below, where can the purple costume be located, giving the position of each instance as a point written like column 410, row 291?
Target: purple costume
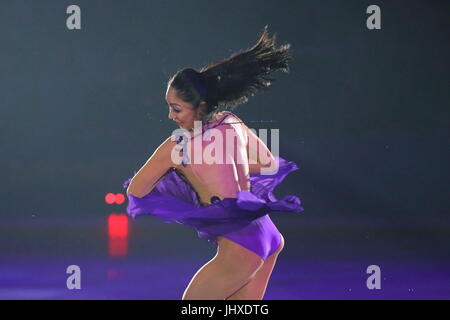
column 244, row 219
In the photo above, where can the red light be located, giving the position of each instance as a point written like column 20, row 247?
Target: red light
column 110, row 198
column 118, row 247
column 118, row 234
column 120, row 198
column 118, row 225
column 112, row 274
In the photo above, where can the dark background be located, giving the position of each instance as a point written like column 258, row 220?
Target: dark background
column 364, row 113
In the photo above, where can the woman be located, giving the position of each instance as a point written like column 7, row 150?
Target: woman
column 226, row 201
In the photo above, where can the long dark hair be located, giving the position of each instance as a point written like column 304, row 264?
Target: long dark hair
column 229, row 82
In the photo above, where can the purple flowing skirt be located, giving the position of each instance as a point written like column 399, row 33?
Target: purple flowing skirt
column 174, row 200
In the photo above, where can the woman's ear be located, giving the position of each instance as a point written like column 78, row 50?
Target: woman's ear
column 202, row 110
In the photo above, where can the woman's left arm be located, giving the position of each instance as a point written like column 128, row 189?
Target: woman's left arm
column 153, row 170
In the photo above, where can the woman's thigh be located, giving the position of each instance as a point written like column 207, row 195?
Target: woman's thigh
column 236, row 257
column 231, row 268
column 256, row 287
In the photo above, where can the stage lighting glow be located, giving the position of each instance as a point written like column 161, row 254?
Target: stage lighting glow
column 120, row 198
column 110, row 198
column 118, row 234
column 118, row 225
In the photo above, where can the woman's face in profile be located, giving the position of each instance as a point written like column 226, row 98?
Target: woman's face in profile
column 181, row 112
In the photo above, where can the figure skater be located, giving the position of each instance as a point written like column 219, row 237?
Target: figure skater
column 226, row 202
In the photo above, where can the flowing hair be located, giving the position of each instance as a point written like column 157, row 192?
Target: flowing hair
column 227, row 83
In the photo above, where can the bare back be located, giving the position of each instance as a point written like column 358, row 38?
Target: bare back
column 223, row 178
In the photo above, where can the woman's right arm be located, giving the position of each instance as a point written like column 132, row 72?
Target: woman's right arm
column 153, row 170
